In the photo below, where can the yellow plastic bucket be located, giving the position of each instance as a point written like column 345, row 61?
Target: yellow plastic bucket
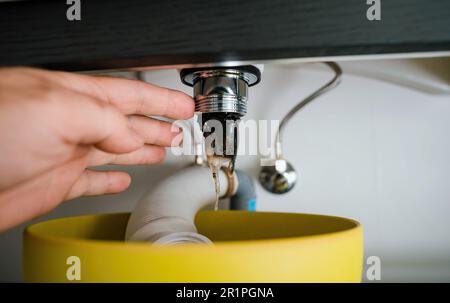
column 249, row 247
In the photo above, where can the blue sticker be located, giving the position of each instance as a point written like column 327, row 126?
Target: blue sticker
column 252, row 205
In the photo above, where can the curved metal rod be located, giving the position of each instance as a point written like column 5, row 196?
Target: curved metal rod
column 325, row 88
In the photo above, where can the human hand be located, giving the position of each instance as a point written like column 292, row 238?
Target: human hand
column 54, row 125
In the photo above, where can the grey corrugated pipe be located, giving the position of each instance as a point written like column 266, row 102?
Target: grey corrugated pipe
column 166, row 214
column 245, row 196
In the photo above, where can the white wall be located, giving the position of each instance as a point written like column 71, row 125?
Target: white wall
column 370, row 150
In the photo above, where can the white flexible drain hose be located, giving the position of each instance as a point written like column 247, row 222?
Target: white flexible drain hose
column 166, row 214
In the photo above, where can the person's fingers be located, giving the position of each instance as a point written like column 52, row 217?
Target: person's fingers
column 148, row 154
column 93, row 183
column 137, row 97
column 131, row 96
column 38, row 195
column 154, row 131
column 84, row 120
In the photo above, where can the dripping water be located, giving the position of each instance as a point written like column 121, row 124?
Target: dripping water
column 215, row 164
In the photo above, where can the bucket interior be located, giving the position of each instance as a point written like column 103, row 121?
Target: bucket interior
column 218, row 226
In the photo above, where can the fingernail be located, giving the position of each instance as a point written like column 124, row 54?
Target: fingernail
column 176, row 129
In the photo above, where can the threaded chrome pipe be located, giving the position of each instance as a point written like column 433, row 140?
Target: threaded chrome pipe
column 221, row 89
column 220, row 95
column 221, row 103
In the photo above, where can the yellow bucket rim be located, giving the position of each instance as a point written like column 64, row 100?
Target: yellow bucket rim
column 33, row 231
